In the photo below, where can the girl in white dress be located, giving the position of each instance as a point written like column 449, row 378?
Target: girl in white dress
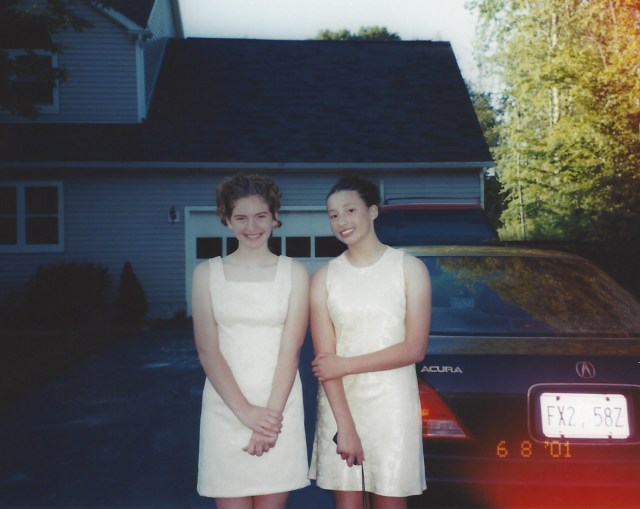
column 370, row 317
column 250, row 315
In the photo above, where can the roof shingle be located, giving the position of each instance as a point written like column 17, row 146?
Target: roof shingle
column 242, row 100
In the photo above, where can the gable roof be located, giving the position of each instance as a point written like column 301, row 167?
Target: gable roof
column 259, row 101
column 137, row 11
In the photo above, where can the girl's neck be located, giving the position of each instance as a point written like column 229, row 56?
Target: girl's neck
column 365, row 253
column 252, row 257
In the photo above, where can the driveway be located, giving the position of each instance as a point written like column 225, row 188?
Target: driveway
column 120, row 431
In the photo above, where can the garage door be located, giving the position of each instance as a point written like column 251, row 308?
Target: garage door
column 305, row 235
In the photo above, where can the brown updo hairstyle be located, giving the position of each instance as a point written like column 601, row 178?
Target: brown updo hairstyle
column 241, row 185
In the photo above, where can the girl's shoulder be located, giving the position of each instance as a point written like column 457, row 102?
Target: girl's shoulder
column 298, row 269
column 320, row 274
column 204, row 267
column 414, row 269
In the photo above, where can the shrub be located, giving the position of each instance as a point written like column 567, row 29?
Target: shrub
column 12, row 312
column 67, row 295
column 131, row 303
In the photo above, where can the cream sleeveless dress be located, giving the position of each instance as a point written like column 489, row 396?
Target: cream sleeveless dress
column 367, row 306
column 250, row 318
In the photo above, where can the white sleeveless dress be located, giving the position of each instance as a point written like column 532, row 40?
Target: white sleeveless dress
column 250, row 318
column 367, row 306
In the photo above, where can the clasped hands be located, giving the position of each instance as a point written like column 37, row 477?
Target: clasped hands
column 266, row 425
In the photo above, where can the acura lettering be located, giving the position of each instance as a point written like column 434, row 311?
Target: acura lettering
column 441, row 369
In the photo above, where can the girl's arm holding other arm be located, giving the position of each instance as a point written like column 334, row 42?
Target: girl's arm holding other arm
column 262, row 420
column 349, row 446
column 327, row 366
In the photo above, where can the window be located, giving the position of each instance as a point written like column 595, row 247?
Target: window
column 8, row 216
column 210, row 247
column 34, row 79
column 299, row 247
column 328, row 247
column 30, row 217
column 516, row 295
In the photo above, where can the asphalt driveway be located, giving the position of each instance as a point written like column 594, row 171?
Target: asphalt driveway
column 120, row 431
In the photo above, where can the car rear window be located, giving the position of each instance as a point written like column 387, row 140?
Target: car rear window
column 423, row 227
column 528, row 296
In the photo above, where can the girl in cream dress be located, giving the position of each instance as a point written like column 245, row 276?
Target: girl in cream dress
column 370, row 316
column 250, row 315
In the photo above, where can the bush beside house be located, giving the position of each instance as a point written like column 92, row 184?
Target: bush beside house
column 131, row 303
column 64, row 316
column 67, row 295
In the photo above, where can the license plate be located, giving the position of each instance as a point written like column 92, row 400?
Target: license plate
column 586, row 416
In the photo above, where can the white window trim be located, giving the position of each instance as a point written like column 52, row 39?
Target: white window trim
column 54, row 107
column 21, row 245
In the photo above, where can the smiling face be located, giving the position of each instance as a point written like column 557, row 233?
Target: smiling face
column 350, row 218
column 251, row 221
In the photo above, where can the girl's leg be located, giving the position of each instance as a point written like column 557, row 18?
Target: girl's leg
column 271, row 501
column 380, row 502
column 348, row 499
column 234, row 503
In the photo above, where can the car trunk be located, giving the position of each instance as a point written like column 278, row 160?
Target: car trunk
column 507, row 451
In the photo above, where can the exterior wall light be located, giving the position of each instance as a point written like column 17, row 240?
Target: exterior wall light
column 174, row 215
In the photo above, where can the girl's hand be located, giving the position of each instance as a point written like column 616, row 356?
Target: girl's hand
column 259, row 444
column 327, row 366
column 350, row 448
column 264, row 421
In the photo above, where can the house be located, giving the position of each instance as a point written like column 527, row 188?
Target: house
column 123, row 165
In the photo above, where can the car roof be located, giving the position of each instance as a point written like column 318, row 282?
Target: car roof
column 485, row 250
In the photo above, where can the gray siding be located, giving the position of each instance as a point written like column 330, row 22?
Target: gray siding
column 435, row 187
column 304, row 190
column 162, row 25
column 110, row 219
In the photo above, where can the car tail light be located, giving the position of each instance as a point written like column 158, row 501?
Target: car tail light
column 438, row 421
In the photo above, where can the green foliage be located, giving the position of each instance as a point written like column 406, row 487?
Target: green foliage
column 568, row 144
column 372, row 33
column 337, row 35
column 488, row 115
column 67, row 295
column 131, row 303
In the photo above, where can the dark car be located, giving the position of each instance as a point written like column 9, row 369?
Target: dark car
column 530, row 388
column 411, row 223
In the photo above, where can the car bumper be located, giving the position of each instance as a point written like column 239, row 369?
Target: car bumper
column 498, row 482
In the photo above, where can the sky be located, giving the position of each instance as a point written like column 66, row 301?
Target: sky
column 436, row 20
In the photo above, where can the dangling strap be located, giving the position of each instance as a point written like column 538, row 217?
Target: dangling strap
column 365, row 499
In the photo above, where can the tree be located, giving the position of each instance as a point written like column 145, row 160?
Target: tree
column 131, row 302
column 31, row 26
column 568, row 137
column 488, row 116
column 373, row 33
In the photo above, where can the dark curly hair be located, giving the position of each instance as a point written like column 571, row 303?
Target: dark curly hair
column 367, row 190
column 241, row 185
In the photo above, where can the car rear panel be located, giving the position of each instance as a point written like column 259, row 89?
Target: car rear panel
column 530, row 388
column 507, row 460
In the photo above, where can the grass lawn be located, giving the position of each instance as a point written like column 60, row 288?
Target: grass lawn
column 31, row 358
